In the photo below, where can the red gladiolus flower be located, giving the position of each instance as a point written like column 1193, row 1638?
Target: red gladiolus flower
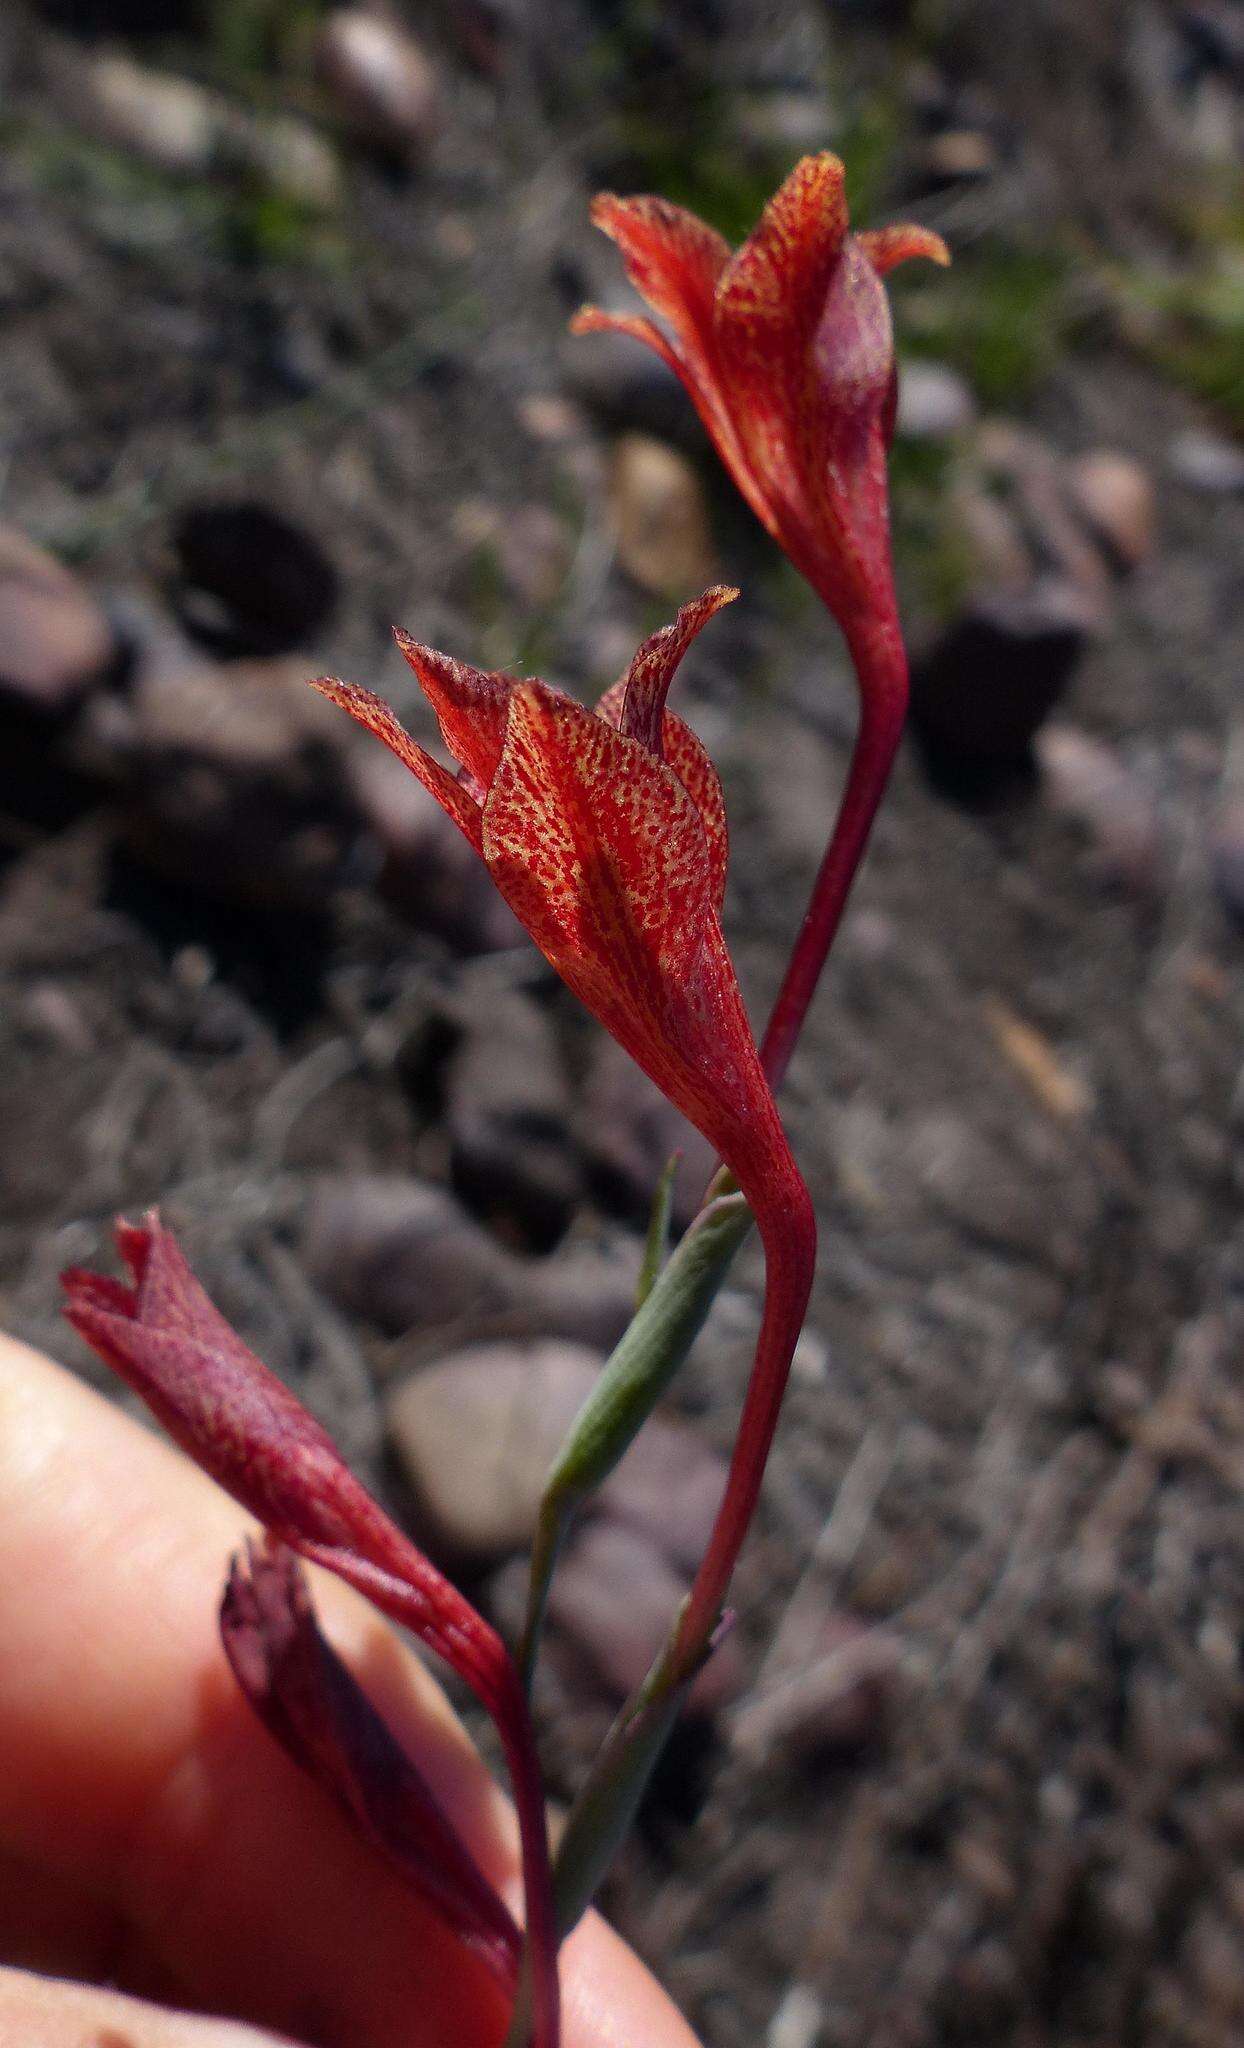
column 786, row 348
column 233, row 1416
column 605, row 832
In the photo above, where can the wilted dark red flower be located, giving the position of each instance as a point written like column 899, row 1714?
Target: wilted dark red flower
column 238, row 1421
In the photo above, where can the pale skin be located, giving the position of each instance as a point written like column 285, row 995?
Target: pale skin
column 154, row 1839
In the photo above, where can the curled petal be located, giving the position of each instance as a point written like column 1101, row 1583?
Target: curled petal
column 885, row 248
column 457, row 799
column 470, row 706
column 594, row 320
column 675, row 261
column 169, row 1342
column 309, row 1702
column 650, row 674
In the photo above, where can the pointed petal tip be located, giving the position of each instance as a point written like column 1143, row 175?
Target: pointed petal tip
column 886, row 248
column 605, row 209
column 593, row 320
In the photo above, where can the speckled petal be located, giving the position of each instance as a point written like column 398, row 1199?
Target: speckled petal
column 771, row 292
column 470, row 705
column 597, row 847
column 650, row 674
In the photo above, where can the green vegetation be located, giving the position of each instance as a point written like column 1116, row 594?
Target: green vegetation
column 1190, row 324
column 1001, row 314
column 932, row 559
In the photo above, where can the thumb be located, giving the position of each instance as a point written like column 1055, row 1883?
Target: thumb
column 44, row 2012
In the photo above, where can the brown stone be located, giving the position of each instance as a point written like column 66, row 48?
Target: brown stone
column 659, row 519
column 54, row 639
column 380, row 81
column 476, row 1434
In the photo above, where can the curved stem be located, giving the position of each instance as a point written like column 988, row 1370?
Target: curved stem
column 540, row 1955
column 475, row 1651
column 788, row 1232
column 881, row 665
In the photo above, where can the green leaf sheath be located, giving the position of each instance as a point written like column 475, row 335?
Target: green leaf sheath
column 649, row 1354
column 657, row 1244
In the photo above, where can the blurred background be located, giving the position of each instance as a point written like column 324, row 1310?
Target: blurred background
column 284, row 291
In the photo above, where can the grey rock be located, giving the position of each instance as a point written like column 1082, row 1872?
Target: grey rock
column 231, row 779
column 1208, row 463
column 1088, row 781
column 614, row 1598
column 934, row 402
column 628, row 1131
column 669, row 1487
column 408, row 1258
column 170, row 121
column 405, row 1255
column 508, row 1113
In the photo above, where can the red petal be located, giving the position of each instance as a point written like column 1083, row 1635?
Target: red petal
column 686, row 754
column 852, row 358
column 600, row 851
column 689, row 758
column 887, row 247
column 462, row 805
column 647, row 681
column 597, row 848
column 470, row 706
column 673, row 259
column 772, row 290
column 308, row 1700
column 769, row 302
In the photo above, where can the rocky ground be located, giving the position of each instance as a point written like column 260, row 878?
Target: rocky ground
column 284, row 363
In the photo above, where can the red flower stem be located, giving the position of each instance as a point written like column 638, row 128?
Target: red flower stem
column 526, row 1778
column 477, row 1653
column 881, row 665
column 788, row 1233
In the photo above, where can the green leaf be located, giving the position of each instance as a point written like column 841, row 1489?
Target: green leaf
column 657, row 1244
column 609, row 1798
